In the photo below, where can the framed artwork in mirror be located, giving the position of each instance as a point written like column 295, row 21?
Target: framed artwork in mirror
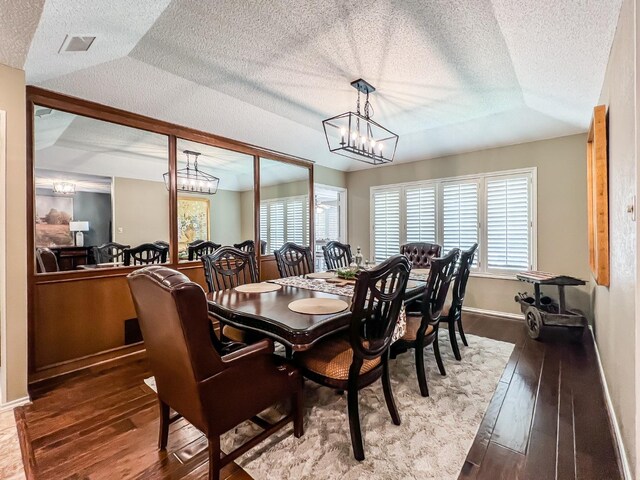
column 598, row 196
column 53, row 214
column 193, row 220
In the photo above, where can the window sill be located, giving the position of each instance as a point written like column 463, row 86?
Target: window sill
column 497, row 276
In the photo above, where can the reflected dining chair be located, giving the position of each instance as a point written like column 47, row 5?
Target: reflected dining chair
column 225, row 268
column 353, row 360
column 422, row 329
column 452, row 313
column 212, row 392
column 201, row 247
column 293, row 260
column 46, row 260
column 420, row 253
column 109, row 252
column 246, row 246
column 145, row 254
column 336, row 255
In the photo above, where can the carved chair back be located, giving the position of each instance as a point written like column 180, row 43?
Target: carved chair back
column 293, row 260
column 229, row 267
column 336, row 255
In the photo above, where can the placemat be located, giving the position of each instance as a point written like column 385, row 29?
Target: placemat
column 322, row 275
column 318, row 306
column 258, row 287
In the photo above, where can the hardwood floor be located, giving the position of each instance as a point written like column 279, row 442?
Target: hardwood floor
column 547, row 420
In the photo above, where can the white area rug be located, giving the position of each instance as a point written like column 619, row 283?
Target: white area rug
column 431, row 443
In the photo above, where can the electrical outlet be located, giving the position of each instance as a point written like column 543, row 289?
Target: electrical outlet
column 120, row 230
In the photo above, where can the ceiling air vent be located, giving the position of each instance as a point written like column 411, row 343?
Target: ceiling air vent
column 73, row 43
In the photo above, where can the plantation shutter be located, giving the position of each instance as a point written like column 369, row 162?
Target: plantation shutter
column 508, row 223
column 264, row 224
column 295, row 220
column 421, row 214
column 276, row 225
column 460, row 215
column 386, row 223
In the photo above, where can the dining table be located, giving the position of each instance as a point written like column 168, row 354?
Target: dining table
column 268, row 313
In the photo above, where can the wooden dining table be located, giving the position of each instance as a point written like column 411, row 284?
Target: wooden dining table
column 269, row 314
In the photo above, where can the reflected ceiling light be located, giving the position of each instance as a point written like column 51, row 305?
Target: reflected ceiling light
column 356, row 136
column 64, row 188
column 320, row 207
column 192, row 179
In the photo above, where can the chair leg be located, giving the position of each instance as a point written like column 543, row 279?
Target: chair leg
column 164, row 425
column 461, row 331
column 420, row 372
column 354, row 423
column 214, row 458
column 454, row 341
column 297, row 403
column 436, row 351
column 388, row 394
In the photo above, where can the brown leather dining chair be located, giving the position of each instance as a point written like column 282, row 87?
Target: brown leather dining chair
column 336, row 255
column 420, row 253
column 452, row 312
column 422, row 328
column 212, row 392
column 354, row 360
column 293, row 260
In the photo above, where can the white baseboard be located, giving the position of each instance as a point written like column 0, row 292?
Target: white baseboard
column 493, row 313
column 14, row 403
column 612, row 416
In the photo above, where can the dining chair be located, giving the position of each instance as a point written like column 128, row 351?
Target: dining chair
column 228, row 267
column 109, row 252
column 263, row 247
column 293, row 260
column 199, row 248
column 420, row 253
column 336, row 255
column 422, row 328
column 353, row 360
column 212, row 392
column 161, row 243
column 145, row 254
column 246, row 246
column 46, row 261
column 452, row 312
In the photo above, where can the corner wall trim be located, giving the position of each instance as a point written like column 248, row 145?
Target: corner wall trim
column 622, row 454
column 14, row 403
column 493, row 313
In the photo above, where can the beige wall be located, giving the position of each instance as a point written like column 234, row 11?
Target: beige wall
column 227, row 218
column 562, row 211
column 141, row 210
column 615, row 307
column 329, row 176
column 13, row 234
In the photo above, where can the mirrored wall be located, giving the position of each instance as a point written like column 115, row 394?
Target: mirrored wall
column 100, row 196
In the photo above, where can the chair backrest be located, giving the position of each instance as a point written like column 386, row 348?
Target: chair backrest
column 336, row 255
column 420, row 253
column 229, row 267
column 462, row 276
column 161, row 243
column 46, row 261
column 145, row 254
column 201, row 247
column 174, row 322
column 263, row 247
column 377, row 301
column 109, row 252
column 246, row 246
column 293, row 260
column 435, row 295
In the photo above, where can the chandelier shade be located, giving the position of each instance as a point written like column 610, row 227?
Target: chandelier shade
column 355, row 135
column 64, row 188
column 193, row 180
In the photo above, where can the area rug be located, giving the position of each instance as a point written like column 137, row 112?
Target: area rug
column 431, row 443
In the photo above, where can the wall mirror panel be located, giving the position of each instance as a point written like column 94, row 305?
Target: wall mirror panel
column 284, row 204
column 215, row 203
column 100, row 200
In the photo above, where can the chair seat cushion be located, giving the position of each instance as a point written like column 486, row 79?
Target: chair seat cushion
column 233, row 333
column 332, row 358
column 413, row 324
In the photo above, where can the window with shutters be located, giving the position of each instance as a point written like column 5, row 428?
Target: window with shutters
column 284, row 220
column 495, row 210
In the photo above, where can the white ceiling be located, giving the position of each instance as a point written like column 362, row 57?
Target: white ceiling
column 451, row 76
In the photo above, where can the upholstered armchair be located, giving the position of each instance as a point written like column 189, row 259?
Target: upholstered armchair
column 212, row 392
column 420, row 253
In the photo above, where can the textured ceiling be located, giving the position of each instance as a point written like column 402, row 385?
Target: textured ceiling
column 18, row 23
column 451, row 76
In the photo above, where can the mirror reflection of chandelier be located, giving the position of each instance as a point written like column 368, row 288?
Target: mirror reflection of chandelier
column 320, row 207
column 354, row 135
column 192, row 179
column 64, row 188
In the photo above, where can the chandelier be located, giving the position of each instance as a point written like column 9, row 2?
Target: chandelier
column 64, row 188
column 354, row 135
column 192, row 179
